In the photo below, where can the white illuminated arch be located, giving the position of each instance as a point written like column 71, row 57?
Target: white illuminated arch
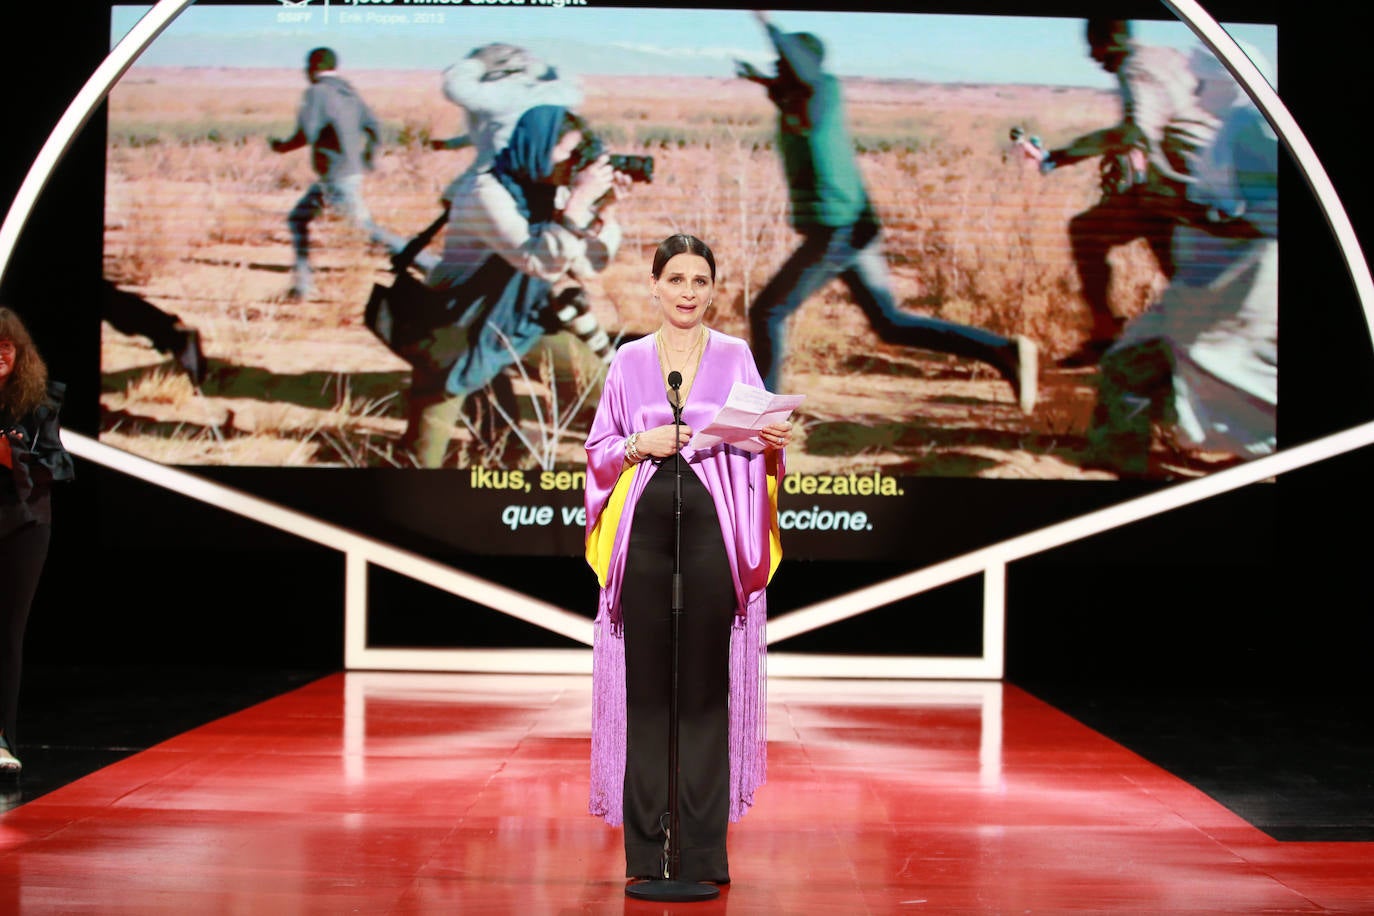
column 77, row 114
column 989, row 562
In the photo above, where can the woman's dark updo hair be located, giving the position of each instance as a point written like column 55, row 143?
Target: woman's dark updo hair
column 678, row 244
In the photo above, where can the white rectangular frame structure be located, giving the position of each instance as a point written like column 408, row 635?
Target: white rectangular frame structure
column 989, row 562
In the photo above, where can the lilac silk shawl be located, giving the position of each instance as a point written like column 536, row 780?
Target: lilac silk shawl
column 744, row 488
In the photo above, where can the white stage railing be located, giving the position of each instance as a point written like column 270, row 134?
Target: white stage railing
column 990, row 563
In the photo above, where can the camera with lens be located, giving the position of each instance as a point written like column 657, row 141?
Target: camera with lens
column 571, row 310
column 639, row 168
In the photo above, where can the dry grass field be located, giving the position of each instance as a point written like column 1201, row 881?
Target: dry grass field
column 195, row 223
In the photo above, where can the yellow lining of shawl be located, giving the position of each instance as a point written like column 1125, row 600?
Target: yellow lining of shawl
column 774, row 531
column 601, row 539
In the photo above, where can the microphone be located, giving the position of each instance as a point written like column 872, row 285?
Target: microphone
column 675, row 383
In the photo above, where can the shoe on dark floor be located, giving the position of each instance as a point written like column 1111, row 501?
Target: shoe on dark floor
column 10, row 767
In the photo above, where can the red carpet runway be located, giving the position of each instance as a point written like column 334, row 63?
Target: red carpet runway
column 436, row 793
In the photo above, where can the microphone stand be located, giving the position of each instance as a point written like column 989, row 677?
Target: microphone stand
column 670, row 887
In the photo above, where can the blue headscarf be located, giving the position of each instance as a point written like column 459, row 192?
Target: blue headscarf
column 526, row 162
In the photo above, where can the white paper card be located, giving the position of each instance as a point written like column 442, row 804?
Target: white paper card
column 746, row 412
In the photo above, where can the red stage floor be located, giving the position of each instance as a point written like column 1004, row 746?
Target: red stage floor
column 428, row 793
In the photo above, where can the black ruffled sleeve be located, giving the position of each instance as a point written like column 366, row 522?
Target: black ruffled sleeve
column 51, row 460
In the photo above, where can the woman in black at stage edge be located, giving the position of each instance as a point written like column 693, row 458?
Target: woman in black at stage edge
column 730, row 548
column 31, row 460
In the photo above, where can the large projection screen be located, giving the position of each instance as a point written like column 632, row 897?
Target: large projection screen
column 198, row 236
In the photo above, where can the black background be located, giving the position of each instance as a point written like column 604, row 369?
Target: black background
column 1266, row 585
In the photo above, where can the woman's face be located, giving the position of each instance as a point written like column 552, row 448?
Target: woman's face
column 8, row 354
column 561, row 158
column 684, row 289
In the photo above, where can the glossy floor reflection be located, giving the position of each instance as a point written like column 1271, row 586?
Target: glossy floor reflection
column 415, row 793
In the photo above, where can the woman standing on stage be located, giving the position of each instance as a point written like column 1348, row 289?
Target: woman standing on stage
column 729, row 549
column 31, row 459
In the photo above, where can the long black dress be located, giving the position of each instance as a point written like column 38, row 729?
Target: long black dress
column 33, row 461
column 703, row 681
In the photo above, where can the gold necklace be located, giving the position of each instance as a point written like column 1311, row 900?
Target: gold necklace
column 664, row 350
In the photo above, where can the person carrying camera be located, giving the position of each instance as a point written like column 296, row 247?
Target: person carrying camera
column 841, row 233
column 494, row 85
column 542, row 214
column 1201, row 364
column 1148, row 157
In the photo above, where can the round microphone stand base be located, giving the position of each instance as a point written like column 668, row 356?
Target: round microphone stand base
column 671, row 890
